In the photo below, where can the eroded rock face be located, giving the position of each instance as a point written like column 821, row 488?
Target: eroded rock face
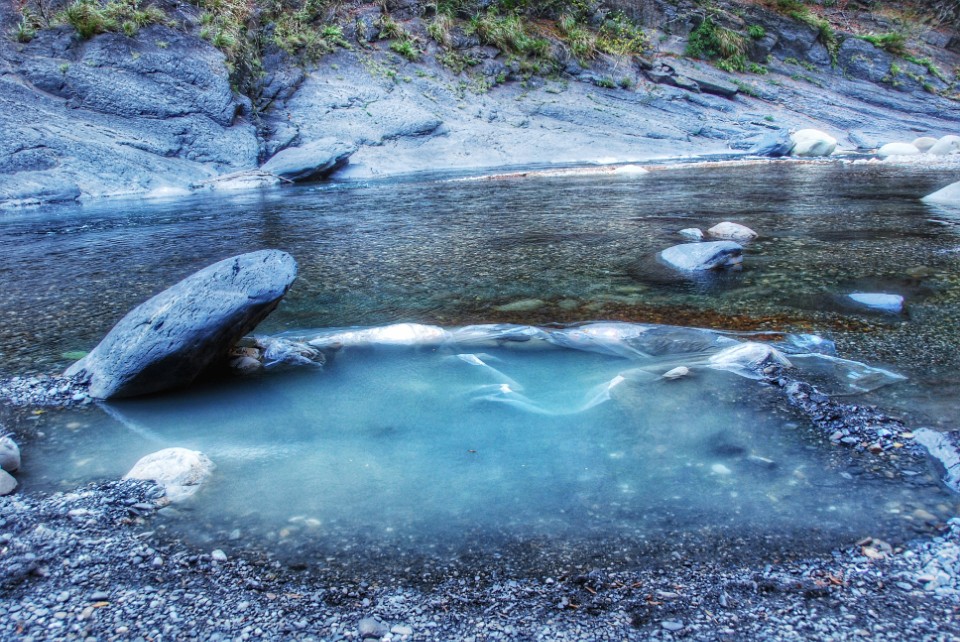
column 703, row 256
column 181, row 472
column 172, row 338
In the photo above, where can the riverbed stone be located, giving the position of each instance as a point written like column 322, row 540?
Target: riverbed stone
column 703, row 256
column 693, row 233
column 774, row 144
column 310, row 162
column 732, row 232
column 812, row 142
column 924, row 143
column 945, row 146
column 169, row 340
column 878, row 300
column 897, row 149
column 180, row 471
column 7, row 483
column 949, row 195
column 9, row 455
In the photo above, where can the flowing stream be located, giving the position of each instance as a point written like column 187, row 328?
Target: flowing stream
column 522, row 450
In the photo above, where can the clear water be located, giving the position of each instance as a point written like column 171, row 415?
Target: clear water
column 392, row 449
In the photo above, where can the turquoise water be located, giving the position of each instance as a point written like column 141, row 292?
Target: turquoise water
column 406, row 450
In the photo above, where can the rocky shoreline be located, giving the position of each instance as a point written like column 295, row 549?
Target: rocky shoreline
column 85, row 565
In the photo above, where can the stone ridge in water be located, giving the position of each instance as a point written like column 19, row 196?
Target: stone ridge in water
column 170, row 339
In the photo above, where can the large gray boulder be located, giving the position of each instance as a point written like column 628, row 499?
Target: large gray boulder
column 703, row 256
column 172, row 338
column 774, row 145
column 310, row 162
column 947, row 145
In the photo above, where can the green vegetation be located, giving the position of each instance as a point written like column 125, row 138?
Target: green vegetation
column 91, row 17
column 509, row 33
column 892, row 42
column 725, row 47
column 800, row 12
column 756, row 32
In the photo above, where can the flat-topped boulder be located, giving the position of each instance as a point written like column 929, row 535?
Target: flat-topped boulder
column 169, row 340
column 310, row 162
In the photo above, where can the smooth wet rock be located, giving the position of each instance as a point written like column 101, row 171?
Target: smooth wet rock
column 812, row 143
column 949, row 195
column 750, row 356
column 180, row 471
column 171, row 339
column 7, row 483
column 676, row 373
column 924, row 143
column 694, row 233
column 732, row 232
column 897, row 149
column 774, row 145
column 945, row 146
column 310, row 162
column 703, row 256
column 878, row 301
column 9, row 455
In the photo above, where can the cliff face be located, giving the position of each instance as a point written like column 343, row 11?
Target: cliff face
column 155, row 112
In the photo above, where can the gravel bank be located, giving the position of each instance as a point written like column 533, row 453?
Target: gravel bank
column 85, row 565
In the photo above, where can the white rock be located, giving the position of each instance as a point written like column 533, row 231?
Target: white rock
column 949, row 195
column 218, row 555
column 924, row 143
column 897, row 149
column 180, row 471
column 750, row 355
column 732, row 232
column 720, row 469
column 812, row 142
column 7, row 483
column 879, row 301
column 703, row 256
column 693, row 233
column 630, row 170
column 946, row 145
column 676, row 373
column 9, row 455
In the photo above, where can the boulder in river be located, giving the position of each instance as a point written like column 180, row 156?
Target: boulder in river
column 946, row 145
column 924, row 143
column 812, row 142
column 897, row 149
column 878, row 301
column 949, row 195
column 774, row 145
column 732, row 232
column 169, row 340
column 181, row 472
column 703, row 256
column 7, row 483
column 310, row 162
column 694, row 233
column 9, row 455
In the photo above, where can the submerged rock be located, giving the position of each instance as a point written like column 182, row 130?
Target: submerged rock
column 169, row 340
column 732, row 232
column 703, row 256
column 7, row 483
column 946, row 145
column 878, row 300
column 310, row 162
column 949, row 195
column 181, row 472
column 694, row 233
column 897, row 149
column 9, row 455
column 812, row 142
